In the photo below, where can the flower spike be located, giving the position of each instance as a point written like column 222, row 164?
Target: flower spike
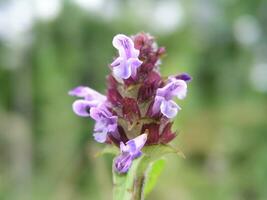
column 139, row 105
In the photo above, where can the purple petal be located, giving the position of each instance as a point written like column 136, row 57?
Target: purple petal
column 81, row 107
column 181, row 89
column 87, row 93
column 112, row 123
column 122, row 71
column 134, row 146
column 139, row 141
column 123, row 162
column 129, row 152
column 79, row 91
column 125, row 46
column 117, row 62
column 102, row 112
column 173, row 88
column 131, row 147
column 91, row 99
column 134, row 63
column 100, row 137
column 105, row 122
column 156, row 105
column 169, row 108
column 97, row 113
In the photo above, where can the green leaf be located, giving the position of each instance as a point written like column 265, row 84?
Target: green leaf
column 151, row 176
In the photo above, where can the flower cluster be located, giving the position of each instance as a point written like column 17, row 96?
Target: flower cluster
column 138, row 108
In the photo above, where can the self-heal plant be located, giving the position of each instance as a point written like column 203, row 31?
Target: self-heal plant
column 135, row 116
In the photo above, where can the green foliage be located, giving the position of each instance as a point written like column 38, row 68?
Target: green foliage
column 152, row 175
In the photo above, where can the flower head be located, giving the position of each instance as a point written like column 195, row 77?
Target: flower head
column 138, row 107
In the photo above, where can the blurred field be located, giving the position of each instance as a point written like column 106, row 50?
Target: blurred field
column 49, row 47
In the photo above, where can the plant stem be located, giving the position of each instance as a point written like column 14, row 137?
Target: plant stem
column 138, row 187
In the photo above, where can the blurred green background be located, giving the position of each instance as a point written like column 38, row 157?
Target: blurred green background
column 50, row 46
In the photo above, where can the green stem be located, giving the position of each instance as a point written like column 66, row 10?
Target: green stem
column 138, row 187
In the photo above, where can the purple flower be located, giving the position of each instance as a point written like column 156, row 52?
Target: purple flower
column 106, row 122
column 163, row 101
column 129, row 152
column 91, row 98
column 125, row 66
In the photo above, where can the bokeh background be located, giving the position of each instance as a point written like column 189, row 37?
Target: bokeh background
column 50, row 46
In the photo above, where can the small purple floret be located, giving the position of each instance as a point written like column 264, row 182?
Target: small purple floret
column 91, row 98
column 129, row 151
column 93, row 104
column 125, row 66
column 163, row 101
column 105, row 122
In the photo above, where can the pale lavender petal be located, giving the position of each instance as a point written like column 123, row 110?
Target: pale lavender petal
column 122, row 71
column 125, row 46
column 123, row 162
column 169, row 108
column 180, row 89
column 105, row 122
column 81, row 107
column 92, row 96
column 173, row 88
column 99, row 127
column 156, row 105
column 134, row 63
column 97, row 113
column 137, row 143
column 112, row 123
column 86, row 92
column 79, row 91
column 117, row 62
column 100, row 137
column 132, row 148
